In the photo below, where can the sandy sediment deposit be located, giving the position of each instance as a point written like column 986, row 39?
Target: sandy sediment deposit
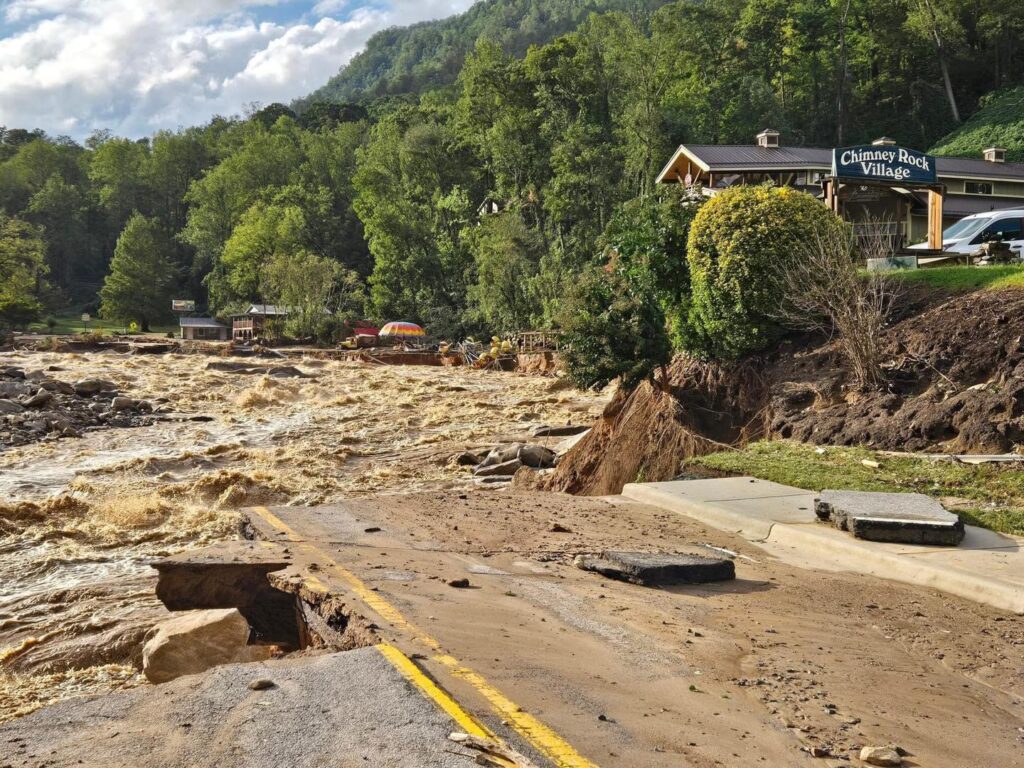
column 81, row 517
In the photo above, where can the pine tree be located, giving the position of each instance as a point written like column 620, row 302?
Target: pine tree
column 142, row 274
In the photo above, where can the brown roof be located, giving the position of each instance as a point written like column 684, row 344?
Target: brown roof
column 750, row 157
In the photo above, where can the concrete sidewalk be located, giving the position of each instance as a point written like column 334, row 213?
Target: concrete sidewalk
column 987, row 567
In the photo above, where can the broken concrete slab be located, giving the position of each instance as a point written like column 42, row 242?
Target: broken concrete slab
column 908, row 518
column 656, row 569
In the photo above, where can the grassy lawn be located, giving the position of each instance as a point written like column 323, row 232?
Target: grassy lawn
column 72, row 323
column 959, row 278
column 989, row 495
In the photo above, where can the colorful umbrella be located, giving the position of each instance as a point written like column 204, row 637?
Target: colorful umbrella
column 402, row 330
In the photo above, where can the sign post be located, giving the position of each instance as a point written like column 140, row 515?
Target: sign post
column 85, row 322
column 894, row 167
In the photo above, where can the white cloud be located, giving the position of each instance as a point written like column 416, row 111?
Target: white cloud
column 135, row 66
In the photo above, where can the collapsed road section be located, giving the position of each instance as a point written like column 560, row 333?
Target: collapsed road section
column 486, row 627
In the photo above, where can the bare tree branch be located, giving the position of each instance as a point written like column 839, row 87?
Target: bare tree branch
column 826, row 291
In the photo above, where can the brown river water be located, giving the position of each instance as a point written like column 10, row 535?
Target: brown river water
column 82, row 518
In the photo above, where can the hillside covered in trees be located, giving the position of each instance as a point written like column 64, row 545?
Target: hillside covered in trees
column 376, row 186
column 429, row 55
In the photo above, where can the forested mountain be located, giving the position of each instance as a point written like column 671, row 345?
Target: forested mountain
column 381, row 200
column 429, row 55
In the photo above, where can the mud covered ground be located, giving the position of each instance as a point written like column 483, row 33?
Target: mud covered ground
column 955, row 384
column 80, row 518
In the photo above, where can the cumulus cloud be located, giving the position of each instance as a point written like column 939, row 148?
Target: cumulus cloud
column 135, row 66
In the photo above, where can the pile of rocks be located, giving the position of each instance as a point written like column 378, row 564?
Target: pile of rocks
column 36, row 406
column 503, row 461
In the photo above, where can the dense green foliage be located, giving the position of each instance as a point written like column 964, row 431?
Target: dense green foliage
column 22, row 271
column 471, row 185
column 142, row 275
column 999, row 123
column 613, row 329
column 738, row 243
column 410, row 60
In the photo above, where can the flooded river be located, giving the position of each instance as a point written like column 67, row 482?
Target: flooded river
column 81, row 518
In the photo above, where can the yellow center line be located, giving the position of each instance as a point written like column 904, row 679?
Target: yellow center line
column 543, row 738
column 433, row 691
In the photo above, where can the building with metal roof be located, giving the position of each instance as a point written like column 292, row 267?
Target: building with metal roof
column 964, row 185
column 202, row 328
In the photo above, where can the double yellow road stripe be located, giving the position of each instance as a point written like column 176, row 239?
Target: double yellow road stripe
column 540, row 736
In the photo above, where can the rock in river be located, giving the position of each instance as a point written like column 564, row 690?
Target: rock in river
column 9, row 406
column 90, row 387
column 39, row 399
column 537, row 456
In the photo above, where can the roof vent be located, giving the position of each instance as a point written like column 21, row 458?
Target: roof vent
column 883, row 141
column 995, row 155
column 768, row 138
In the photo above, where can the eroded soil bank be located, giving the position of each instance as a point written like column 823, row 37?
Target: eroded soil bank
column 81, row 518
column 956, row 385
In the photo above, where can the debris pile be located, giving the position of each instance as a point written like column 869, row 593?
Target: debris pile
column 35, row 406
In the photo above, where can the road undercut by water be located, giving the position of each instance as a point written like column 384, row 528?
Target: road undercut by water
column 82, row 518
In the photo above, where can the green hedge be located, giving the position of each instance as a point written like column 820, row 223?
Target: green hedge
column 737, row 243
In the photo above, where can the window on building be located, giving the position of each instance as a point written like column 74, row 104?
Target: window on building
column 978, row 187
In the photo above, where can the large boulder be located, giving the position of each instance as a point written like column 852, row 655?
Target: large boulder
column 196, row 641
column 14, row 388
column 121, row 403
column 505, row 469
column 502, row 454
column 90, row 387
column 9, row 406
column 39, row 399
column 537, row 456
column 55, row 385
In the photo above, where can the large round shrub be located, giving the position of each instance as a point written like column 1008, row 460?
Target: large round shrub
column 739, row 242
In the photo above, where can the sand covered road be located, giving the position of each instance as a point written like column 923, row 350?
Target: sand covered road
column 779, row 666
column 80, row 518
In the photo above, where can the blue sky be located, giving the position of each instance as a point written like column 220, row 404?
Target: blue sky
column 137, row 66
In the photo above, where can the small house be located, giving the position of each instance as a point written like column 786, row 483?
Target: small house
column 202, row 329
column 251, row 324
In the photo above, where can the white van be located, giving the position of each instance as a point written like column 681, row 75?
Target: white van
column 967, row 235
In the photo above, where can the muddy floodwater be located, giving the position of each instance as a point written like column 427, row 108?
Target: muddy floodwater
column 82, row 518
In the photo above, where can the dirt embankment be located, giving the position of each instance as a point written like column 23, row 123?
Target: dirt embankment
column 955, row 384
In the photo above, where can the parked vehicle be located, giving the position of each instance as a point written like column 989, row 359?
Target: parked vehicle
column 968, row 234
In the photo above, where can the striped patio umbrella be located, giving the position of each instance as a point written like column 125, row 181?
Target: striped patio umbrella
column 403, row 330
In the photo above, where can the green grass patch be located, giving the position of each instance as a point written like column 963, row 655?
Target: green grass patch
column 989, row 495
column 960, row 279
column 66, row 324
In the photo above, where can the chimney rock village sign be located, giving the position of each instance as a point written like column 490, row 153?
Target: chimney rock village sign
column 884, row 163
